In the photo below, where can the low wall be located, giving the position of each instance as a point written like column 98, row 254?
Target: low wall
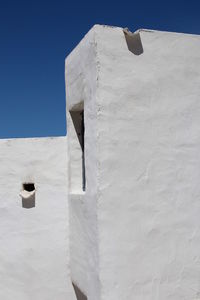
column 34, row 251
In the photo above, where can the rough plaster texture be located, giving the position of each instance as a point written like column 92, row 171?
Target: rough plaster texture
column 134, row 231
column 136, row 228
column 81, row 93
column 34, row 255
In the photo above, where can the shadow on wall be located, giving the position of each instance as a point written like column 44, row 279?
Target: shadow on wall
column 79, row 294
column 134, row 42
column 28, row 203
column 79, row 126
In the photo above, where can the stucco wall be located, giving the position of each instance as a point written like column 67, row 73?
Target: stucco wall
column 81, row 94
column 34, row 251
column 144, row 150
column 149, row 160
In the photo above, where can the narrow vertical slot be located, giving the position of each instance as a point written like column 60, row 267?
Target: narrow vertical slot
column 83, row 151
column 79, row 125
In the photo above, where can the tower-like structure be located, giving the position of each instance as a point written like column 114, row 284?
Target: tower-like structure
column 134, row 137
column 113, row 208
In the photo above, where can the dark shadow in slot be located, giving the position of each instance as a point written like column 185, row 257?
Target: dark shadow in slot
column 78, row 121
column 29, row 187
column 79, row 294
column 133, row 41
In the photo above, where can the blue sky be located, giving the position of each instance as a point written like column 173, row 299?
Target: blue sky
column 35, row 38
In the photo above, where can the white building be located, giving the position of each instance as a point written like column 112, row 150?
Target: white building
column 116, row 212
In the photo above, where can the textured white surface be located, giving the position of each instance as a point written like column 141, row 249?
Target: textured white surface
column 134, row 232
column 81, row 87
column 142, row 142
column 34, row 255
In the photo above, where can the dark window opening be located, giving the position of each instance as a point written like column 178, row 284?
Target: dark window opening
column 29, row 187
column 79, row 125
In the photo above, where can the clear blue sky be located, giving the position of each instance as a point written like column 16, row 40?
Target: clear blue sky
column 36, row 36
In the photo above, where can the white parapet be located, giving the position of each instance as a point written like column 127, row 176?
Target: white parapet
column 134, row 187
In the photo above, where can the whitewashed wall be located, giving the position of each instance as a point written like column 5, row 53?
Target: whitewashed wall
column 81, row 94
column 142, row 141
column 149, row 141
column 34, row 252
